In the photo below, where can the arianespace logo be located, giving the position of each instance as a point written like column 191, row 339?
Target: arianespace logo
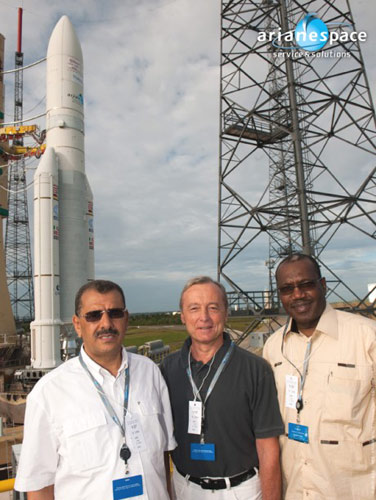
column 312, row 35
column 77, row 98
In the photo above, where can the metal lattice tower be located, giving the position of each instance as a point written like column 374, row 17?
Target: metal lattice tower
column 293, row 131
column 17, row 236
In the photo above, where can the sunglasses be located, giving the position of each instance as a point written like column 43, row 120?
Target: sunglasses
column 94, row 316
column 305, row 286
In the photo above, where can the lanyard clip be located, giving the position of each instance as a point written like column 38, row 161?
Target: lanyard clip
column 299, row 405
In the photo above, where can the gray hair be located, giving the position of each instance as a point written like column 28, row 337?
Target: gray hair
column 204, row 280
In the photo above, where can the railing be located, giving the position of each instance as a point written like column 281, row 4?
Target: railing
column 155, row 350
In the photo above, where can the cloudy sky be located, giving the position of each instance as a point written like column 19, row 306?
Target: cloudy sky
column 152, row 123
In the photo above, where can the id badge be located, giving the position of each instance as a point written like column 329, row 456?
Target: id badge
column 194, row 417
column 298, row 432
column 203, row 451
column 134, row 432
column 291, row 391
column 127, row 487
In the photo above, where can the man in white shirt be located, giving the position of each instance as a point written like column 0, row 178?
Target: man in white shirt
column 97, row 426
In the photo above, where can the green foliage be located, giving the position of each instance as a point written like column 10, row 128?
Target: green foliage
column 154, row 319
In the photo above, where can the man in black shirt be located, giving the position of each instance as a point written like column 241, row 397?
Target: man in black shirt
column 224, row 405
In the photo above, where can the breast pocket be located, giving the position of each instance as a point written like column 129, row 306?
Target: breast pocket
column 347, row 389
column 85, row 441
column 149, row 415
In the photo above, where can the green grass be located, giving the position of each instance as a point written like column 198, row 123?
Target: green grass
column 172, row 336
column 240, row 322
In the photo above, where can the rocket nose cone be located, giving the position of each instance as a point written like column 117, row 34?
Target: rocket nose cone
column 63, row 39
column 63, row 23
column 49, row 154
column 48, row 162
column 63, row 18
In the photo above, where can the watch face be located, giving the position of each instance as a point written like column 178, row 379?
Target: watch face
column 125, row 453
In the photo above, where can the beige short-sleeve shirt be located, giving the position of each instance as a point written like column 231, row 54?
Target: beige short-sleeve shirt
column 339, row 398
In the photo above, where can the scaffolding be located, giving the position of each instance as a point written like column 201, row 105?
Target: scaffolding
column 17, row 236
column 295, row 128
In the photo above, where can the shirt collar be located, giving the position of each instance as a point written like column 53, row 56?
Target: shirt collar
column 328, row 324
column 220, row 353
column 98, row 371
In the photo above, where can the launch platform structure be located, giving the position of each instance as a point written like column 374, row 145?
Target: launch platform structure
column 7, row 324
column 17, row 236
column 297, row 153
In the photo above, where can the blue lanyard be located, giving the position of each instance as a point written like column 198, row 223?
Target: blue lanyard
column 299, row 402
column 220, row 368
column 104, row 398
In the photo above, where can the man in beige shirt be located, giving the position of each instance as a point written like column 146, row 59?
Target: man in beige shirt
column 324, row 362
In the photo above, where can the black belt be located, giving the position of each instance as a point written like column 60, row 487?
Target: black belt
column 220, row 484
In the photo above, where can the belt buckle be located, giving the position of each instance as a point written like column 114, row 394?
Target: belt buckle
column 212, row 484
column 205, row 484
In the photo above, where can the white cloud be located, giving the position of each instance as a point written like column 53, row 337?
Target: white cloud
column 152, row 126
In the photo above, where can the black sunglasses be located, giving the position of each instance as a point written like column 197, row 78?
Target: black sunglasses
column 94, row 316
column 305, row 286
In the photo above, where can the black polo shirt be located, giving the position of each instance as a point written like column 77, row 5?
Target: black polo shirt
column 242, row 407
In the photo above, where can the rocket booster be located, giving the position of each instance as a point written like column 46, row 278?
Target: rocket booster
column 45, row 329
column 72, row 263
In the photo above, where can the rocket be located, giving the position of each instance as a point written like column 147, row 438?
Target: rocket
column 63, row 201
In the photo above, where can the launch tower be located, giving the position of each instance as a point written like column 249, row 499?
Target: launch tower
column 297, row 155
column 8, row 327
column 17, row 237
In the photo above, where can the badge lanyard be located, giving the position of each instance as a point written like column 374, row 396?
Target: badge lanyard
column 303, row 375
column 196, row 392
column 125, row 452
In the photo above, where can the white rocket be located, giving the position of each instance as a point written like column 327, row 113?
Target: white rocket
column 63, row 204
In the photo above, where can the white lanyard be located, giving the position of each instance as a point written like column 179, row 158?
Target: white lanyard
column 104, row 398
column 196, row 392
column 125, row 452
column 303, row 375
column 299, row 402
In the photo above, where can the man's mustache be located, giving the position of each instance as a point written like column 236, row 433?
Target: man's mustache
column 105, row 331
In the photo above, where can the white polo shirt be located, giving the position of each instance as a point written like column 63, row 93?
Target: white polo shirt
column 71, row 441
